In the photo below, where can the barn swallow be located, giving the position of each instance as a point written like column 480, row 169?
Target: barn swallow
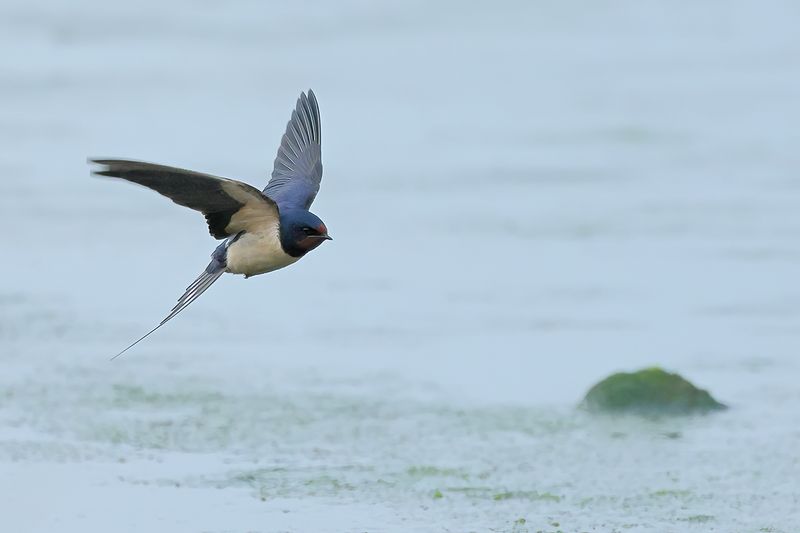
column 262, row 230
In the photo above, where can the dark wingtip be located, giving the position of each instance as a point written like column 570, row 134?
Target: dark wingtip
column 94, row 170
column 108, row 167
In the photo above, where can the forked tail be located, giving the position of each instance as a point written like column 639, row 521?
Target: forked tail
column 193, row 291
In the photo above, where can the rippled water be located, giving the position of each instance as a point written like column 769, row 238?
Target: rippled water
column 525, row 197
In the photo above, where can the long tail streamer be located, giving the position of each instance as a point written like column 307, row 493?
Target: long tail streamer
column 193, row 291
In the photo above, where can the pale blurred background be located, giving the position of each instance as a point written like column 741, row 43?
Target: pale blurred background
column 524, row 197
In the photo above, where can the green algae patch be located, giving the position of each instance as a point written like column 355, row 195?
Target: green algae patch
column 698, row 518
column 471, row 492
column 670, row 493
column 126, row 396
column 435, row 471
column 526, row 495
column 651, row 391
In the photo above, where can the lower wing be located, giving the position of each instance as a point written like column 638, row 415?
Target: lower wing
column 229, row 206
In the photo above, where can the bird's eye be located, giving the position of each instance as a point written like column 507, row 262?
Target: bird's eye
column 308, row 231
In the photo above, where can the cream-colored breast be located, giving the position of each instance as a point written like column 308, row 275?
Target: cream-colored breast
column 258, row 252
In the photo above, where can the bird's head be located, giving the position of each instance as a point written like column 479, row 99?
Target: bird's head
column 301, row 232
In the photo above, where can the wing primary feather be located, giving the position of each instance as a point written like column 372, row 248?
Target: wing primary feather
column 296, row 152
column 198, row 287
column 298, row 137
column 292, row 142
column 302, row 123
column 312, row 99
column 305, row 116
column 310, row 118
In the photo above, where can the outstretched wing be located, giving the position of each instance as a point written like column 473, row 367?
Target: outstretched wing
column 229, row 206
column 298, row 166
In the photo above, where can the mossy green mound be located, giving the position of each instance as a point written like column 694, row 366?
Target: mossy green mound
column 648, row 391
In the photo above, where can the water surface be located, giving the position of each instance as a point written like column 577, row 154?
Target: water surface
column 524, row 198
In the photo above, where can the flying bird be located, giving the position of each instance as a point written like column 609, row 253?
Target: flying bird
column 262, row 230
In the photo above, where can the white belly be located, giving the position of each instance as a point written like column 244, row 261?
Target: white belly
column 257, row 253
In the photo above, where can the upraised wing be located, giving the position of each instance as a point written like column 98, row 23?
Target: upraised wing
column 298, row 167
column 229, row 206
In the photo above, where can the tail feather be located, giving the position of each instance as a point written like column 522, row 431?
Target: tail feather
column 193, row 291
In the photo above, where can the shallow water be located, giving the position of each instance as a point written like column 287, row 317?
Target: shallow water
column 524, row 198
